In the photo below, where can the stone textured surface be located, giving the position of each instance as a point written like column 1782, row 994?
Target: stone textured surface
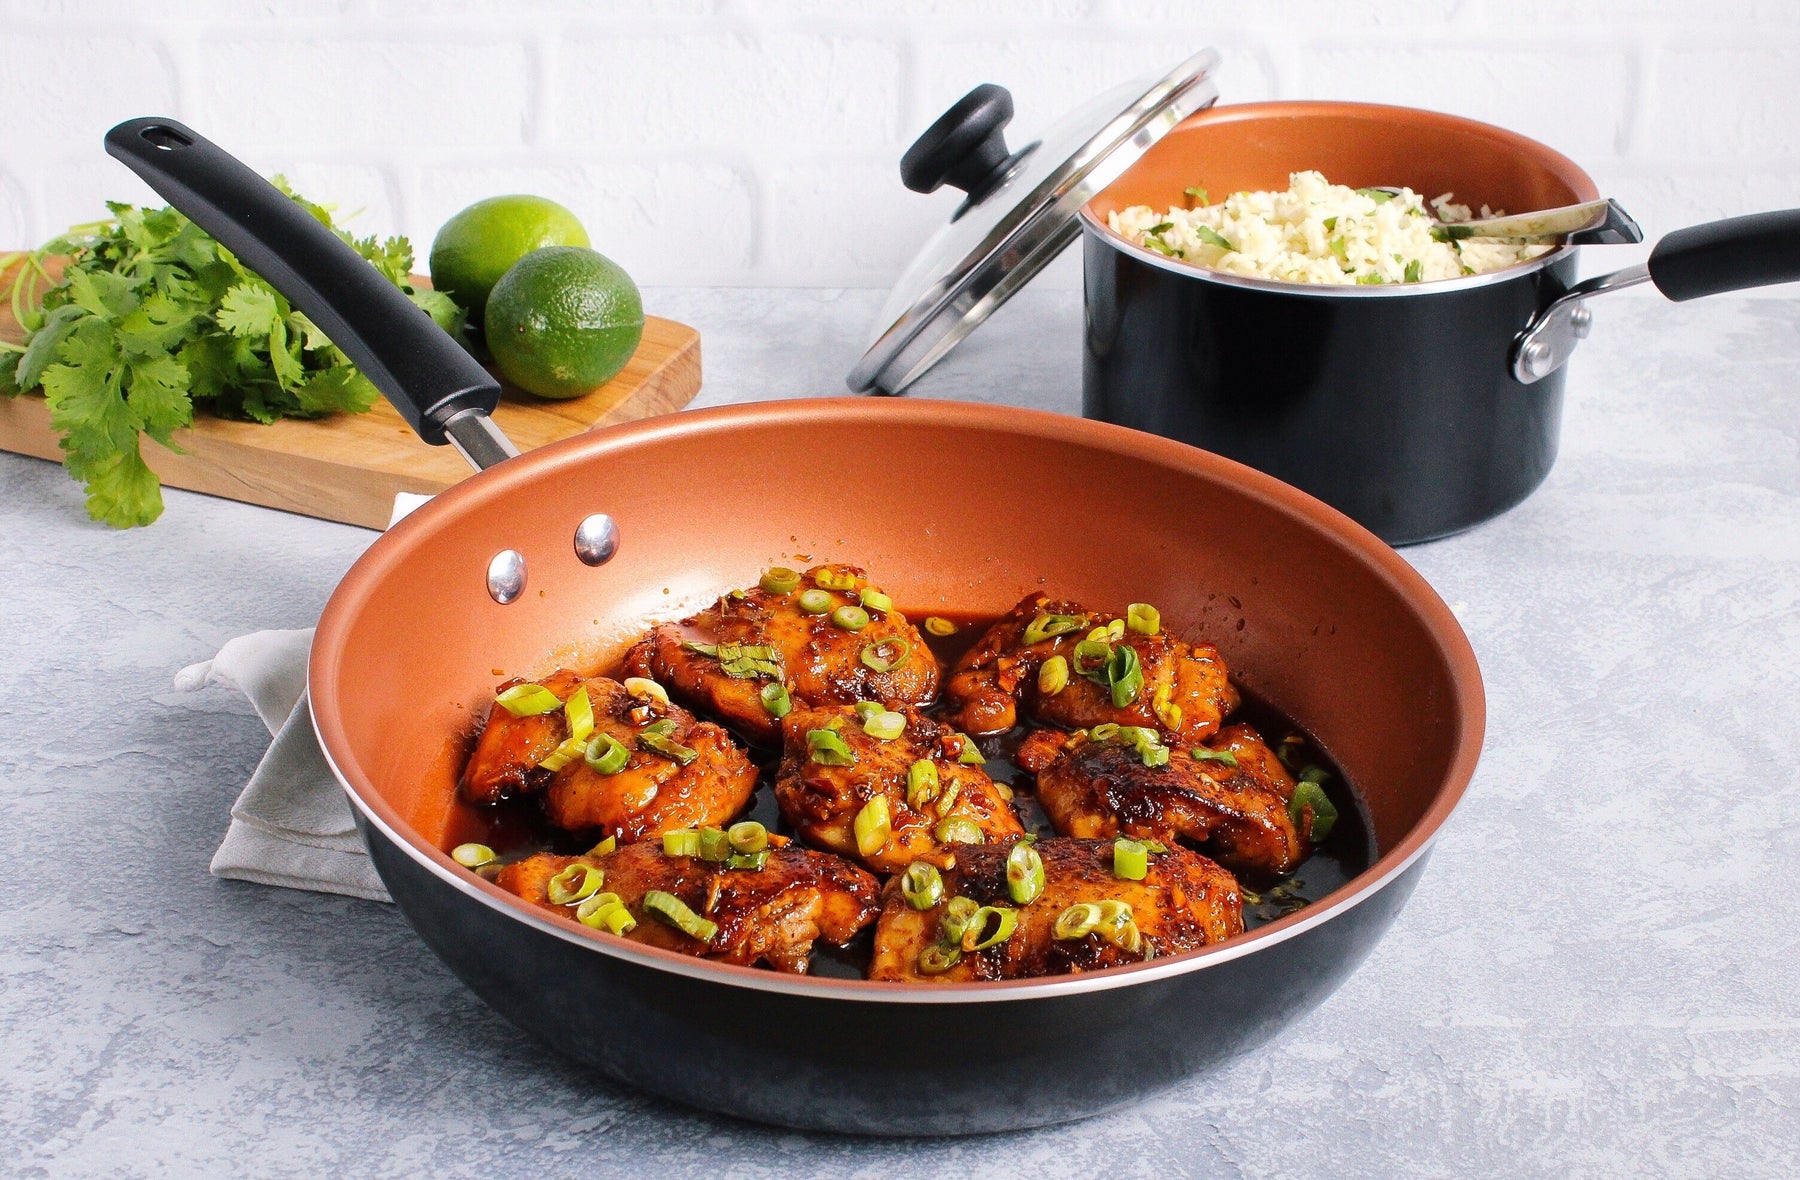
column 1598, row 977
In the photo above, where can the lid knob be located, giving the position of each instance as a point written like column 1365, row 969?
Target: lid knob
column 965, row 148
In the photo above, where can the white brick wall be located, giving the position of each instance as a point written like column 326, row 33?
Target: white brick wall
column 756, row 141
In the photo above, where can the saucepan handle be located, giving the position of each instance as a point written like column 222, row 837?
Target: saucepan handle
column 1731, row 255
column 425, row 373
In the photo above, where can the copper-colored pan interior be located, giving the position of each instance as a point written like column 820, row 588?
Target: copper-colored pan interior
column 1254, row 146
column 954, row 507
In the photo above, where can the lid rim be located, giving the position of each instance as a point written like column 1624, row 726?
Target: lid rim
column 1031, row 232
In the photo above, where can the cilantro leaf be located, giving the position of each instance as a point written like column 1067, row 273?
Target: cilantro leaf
column 151, row 319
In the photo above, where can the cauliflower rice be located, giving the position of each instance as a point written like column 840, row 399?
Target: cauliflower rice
column 1318, row 232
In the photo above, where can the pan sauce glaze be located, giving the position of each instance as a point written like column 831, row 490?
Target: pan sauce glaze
column 517, row 827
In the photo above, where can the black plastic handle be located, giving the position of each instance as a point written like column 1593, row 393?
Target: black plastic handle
column 965, row 148
column 416, row 364
column 1730, row 255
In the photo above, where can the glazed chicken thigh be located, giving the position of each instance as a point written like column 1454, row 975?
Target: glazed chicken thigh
column 1104, row 670
column 672, row 771
column 770, row 915
column 920, row 797
column 826, row 637
column 1182, row 902
column 1229, row 796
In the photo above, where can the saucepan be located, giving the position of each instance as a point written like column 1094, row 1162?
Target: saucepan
column 556, row 558
column 1419, row 409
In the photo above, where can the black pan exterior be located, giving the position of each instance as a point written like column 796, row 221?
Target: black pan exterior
column 884, row 1067
column 1399, row 410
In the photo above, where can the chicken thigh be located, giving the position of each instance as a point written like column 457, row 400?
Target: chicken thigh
column 648, row 766
column 1087, row 916
column 1102, row 670
column 916, row 791
column 826, row 637
column 768, row 915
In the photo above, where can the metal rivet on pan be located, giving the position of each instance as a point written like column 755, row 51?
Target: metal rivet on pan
column 506, row 576
column 596, row 539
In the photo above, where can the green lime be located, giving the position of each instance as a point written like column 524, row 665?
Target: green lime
column 563, row 320
column 478, row 245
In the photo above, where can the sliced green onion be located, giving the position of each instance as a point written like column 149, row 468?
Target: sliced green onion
column 775, row 699
column 956, row 917
column 885, row 726
column 668, row 747
column 472, row 856
column 970, row 754
column 580, row 712
column 1124, row 676
column 747, row 836
column 1106, row 731
column 606, row 847
column 1078, row 921
column 1047, row 626
column 873, row 826
column 575, row 883
column 715, row 845
column 939, row 626
column 938, row 958
column 1212, row 237
column 606, row 909
column 753, row 861
column 606, row 754
column 921, row 784
column 682, row 842
column 1131, row 860
column 780, row 580
column 834, row 579
column 1156, row 846
column 1090, row 657
column 850, row 618
column 1314, row 774
column 1164, row 706
column 826, row 748
column 643, row 688
column 868, row 709
column 1126, row 937
column 1024, row 873
column 991, row 925
column 875, row 600
column 922, row 885
column 565, row 753
column 675, row 912
column 1309, row 794
column 957, row 829
column 1154, row 756
column 1053, row 677
column 528, row 700
column 1143, row 618
column 665, row 727
column 1114, row 913
column 1223, row 757
column 884, row 655
column 815, row 602
column 947, row 799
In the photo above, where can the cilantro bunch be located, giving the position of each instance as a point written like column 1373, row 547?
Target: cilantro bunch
column 151, row 320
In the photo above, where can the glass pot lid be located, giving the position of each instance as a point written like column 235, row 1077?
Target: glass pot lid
column 1022, row 207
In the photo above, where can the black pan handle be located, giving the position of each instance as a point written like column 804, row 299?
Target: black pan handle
column 1755, row 251
column 425, row 373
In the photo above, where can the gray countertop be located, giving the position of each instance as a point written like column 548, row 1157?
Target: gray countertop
column 1598, row 976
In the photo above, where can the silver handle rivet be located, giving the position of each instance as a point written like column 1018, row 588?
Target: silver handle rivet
column 596, row 539
column 506, row 576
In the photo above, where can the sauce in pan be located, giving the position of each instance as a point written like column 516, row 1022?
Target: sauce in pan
column 517, row 827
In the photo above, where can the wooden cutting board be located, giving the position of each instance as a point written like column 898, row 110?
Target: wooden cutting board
column 349, row 466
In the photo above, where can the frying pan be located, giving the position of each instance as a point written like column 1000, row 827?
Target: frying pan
column 956, row 507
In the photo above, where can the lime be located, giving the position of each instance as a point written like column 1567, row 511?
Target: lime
column 563, row 320
column 476, row 247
